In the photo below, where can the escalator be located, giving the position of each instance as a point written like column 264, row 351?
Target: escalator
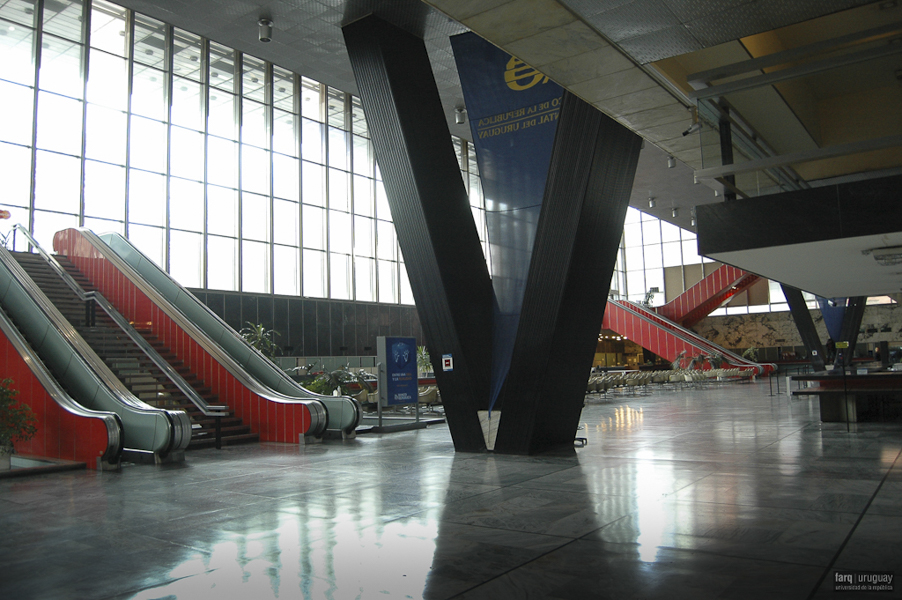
column 667, row 339
column 152, row 374
column 260, row 392
column 146, row 431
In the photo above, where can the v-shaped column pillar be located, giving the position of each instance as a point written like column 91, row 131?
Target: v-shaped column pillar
column 431, row 212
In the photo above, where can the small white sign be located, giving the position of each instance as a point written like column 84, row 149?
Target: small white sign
column 447, row 362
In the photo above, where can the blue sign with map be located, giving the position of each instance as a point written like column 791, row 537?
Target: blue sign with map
column 400, row 360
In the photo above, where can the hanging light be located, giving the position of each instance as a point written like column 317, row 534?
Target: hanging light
column 675, row 212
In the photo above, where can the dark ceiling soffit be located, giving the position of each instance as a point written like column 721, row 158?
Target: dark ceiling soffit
column 845, row 210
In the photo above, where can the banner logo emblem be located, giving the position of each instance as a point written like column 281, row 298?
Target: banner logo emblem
column 519, row 76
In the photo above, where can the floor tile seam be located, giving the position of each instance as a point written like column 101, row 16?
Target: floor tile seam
column 768, row 506
column 854, row 527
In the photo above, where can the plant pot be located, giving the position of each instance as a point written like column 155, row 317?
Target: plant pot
column 6, row 452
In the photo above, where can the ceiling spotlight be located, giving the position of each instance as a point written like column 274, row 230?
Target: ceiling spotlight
column 651, row 202
column 675, row 213
column 693, row 222
column 265, row 30
column 460, row 115
column 671, row 162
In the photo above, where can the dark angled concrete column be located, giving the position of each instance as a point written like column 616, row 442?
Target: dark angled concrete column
column 805, row 325
column 851, row 323
column 592, row 169
column 431, row 212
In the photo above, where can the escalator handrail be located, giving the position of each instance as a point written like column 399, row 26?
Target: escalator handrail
column 177, row 419
column 208, row 410
column 62, row 398
column 689, row 336
column 318, row 412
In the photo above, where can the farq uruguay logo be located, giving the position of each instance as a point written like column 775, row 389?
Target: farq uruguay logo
column 519, row 76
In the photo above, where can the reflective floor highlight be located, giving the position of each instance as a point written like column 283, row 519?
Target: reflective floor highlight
column 723, row 492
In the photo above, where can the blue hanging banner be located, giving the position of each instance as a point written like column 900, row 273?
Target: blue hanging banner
column 513, row 111
column 833, row 310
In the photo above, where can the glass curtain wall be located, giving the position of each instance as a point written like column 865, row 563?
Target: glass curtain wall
column 230, row 172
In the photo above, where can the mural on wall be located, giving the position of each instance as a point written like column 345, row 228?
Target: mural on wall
column 881, row 323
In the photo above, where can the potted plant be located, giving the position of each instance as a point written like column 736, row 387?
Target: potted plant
column 261, row 339
column 424, row 361
column 17, row 422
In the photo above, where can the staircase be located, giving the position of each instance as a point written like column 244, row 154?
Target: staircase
column 126, row 359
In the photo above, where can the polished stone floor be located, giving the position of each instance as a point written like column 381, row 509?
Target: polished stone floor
column 724, row 492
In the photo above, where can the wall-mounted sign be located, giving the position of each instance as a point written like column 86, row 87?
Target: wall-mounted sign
column 447, row 362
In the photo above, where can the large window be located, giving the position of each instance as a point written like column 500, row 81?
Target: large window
column 230, row 172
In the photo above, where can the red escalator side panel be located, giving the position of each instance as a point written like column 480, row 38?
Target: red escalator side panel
column 137, row 307
column 60, row 433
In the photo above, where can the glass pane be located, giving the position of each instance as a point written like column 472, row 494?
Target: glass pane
column 672, row 253
column 106, row 134
column 285, row 278
column 46, row 224
column 57, row 182
column 388, row 281
column 632, row 215
column 653, row 257
column 364, row 238
column 406, row 293
column 104, row 190
column 187, row 149
column 108, row 28
column 313, row 222
column 186, row 250
column 363, row 196
column 655, row 278
column 365, row 279
column 16, row 161
column 340, row 277
column 283, row 89
column 186, row 204
column 253, row 124
column 690, row 253
column 340, row 236
column 335, row 105
column 651, row 232
column 148, row 240
column 284, row 133
column 669, row 232
column 222, row 67
column 386, row 245
column 285, row 222
column 222, row 263
column 150, row 42
column 222, row 115
column 475, row 193
column 64, row 19
column 358, row 119
column 61, row 67
column 255, row 267
column 314, row 188
column 363, row 160
column 187, row 55
column 314, row 273
column 18, row 104
column 310, row 100
column 222, row 211
column 187, row 104
column 382, row 210
column 338, row 190
column 338, row 148
column 16, row 48
column 59, row 123
column 146, row 198
column 19, row 11
column 632, row 235
column 255, row 217
column 285, row 175
column 255, row 169
column 148, row 145
column 105, row 226
column 148, row 93
column 634, row 259
column 312, row 141
column 254, row 80
column 222, row 162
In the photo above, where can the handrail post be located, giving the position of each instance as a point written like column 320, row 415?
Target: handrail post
column 218, row 432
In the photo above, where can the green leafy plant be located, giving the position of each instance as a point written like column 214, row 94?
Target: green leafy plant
column 17, row 421
column 716, row 361
column 751, row 354
column 424, row 361
column 340, row 379
column 261, row 338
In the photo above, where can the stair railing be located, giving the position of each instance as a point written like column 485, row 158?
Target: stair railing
column 96, row 298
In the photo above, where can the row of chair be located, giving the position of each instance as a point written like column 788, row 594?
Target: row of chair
column 634, row 382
